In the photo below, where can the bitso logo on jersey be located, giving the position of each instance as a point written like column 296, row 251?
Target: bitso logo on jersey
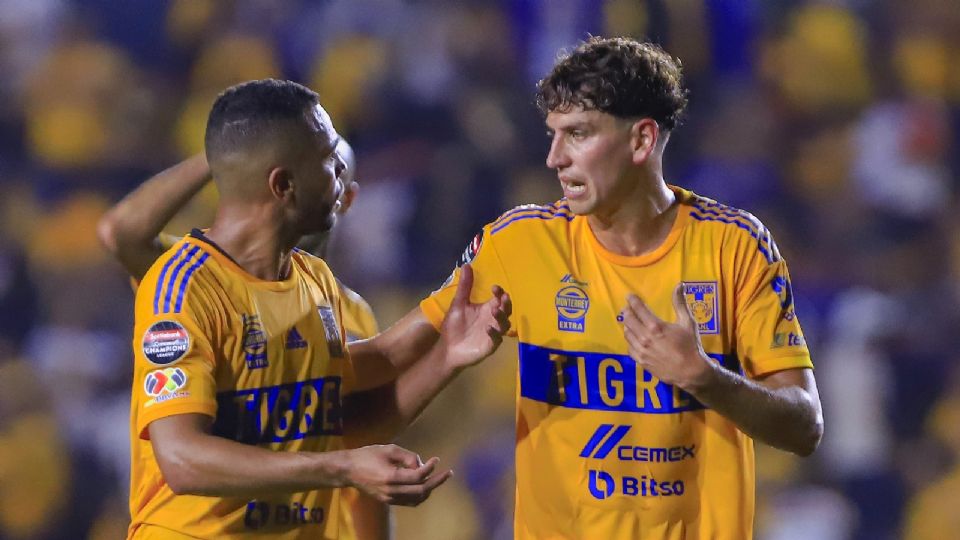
column 701, row 297
column 164, row 384
column 572, row 304
column 254, row 343
column 165, row 342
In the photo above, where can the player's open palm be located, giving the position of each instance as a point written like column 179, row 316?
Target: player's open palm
column 471, row 332
column 672, row 352
column 393, row 475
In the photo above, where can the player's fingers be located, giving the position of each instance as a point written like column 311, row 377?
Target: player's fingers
column 402, row 457
column 680, row 306
column 506, row 304
column 638, row 342
column 416, row 494
column 412, row 495
column 414, row 476
column 462, row 296
column 643, row 313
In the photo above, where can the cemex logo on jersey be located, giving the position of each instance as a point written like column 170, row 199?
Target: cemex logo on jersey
column 600, row 446
column 606, row 442
column 254, row 342
column 572, row 304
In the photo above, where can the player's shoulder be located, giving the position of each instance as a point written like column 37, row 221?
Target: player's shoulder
column 350, row 296
column 315, row 267
column 735, row 224
column 168, row 283
column 529, row 217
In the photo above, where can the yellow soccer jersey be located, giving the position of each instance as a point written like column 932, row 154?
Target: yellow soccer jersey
column 266, row 359
column 604, row 449
column 359, row 323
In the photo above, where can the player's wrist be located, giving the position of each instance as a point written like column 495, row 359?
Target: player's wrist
column 338, row 467
column 704, row 378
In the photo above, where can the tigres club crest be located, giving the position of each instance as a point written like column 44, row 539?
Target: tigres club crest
column 703, row 301
column 332, row 330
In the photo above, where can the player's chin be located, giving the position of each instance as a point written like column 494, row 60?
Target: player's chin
column 319, row 222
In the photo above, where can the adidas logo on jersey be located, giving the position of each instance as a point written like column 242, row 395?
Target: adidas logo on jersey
column 295, row 340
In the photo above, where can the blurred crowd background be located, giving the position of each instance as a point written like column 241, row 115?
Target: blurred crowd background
column 834, row 122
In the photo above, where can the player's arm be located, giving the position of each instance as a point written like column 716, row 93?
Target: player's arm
column 470, row 332
column 195, row 462
column 781, row 409
column 130, row 228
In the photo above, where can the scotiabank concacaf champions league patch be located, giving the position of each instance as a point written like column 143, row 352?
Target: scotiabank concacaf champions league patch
column 165, row 342
column 472, row 249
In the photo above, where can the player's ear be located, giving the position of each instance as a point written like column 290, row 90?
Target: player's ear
column 644, row 134
column 280, row 183
column 349, row 194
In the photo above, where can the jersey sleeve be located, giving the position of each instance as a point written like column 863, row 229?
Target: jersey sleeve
column 174, row 361
column 488, row 271
column 769, row 337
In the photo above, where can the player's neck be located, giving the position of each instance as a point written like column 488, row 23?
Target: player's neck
column 639, row 223
column 254, row 239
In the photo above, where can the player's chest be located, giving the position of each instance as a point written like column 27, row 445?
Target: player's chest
column 277, row 337
column 580, row 299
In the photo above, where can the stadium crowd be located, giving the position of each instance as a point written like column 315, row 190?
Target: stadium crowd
column 834, row 122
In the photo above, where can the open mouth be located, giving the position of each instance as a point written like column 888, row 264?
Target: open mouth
column 572, row 187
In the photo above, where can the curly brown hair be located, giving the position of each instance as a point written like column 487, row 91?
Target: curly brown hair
column 618, row 76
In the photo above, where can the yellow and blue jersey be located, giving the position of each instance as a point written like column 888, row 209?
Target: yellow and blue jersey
column 603, row 448
column 266, row 360
column 359, row 323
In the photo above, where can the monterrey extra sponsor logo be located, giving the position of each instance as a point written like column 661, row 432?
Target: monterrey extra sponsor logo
column 605, row 442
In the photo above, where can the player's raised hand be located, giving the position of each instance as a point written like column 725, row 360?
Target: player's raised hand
column 672, row 352
column 471, row 332
column 393, row 475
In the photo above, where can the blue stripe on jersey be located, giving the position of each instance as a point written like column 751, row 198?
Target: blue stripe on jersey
column 614, row 439
column 561, row 205
column 163, row 275
column 523, row 208
column 186, row 279
column 742, row 225
column 555, row 377
column 540, row 214
column 595, row 440
column 173, row 277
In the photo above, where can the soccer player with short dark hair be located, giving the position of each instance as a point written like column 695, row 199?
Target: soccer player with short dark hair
column 243, row 383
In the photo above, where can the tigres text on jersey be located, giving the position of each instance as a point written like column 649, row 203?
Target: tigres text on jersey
column 266, row 360
column 604, row 449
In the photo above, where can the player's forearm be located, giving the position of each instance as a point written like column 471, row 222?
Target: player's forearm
column 786, row 417
column 381, row 414
column 129, row 229
column 401, row 345
column 212, row 466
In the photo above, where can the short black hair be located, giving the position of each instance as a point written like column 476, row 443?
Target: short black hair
column 249, row 113
column 618, row 76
